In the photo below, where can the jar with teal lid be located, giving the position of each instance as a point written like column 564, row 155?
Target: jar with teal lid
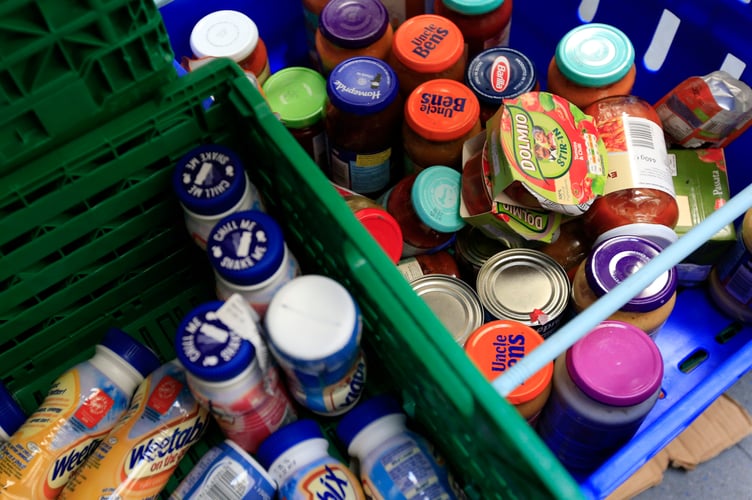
column 483, row 23
column 297, row 95
column 591, row 62
column 427, row 207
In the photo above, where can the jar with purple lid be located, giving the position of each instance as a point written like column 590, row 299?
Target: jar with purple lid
column 210, row 182
column 603, row 388
column 352, row 28
column 249, row 256
column 612, row 261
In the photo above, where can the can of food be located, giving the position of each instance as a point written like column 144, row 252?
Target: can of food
column 472, row 248
column 524, row 285
column 453, row 301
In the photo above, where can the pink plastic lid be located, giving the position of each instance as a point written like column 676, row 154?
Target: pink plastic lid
column 616, row 364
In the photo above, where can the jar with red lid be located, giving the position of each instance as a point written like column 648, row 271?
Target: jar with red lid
column 592, row 61
column 440, row 115
column 352, row 28
column 484, row 23
column 426, row 206
column 416, row 266
column 233, row 35
column 639, row 187
column 427, row 47
column 363, row 118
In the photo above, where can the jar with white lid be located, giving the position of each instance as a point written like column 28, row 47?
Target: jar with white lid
column 210, row 182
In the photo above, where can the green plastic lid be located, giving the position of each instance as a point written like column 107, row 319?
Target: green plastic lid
column 472, row 7
column 594, row 55
column 297, row 95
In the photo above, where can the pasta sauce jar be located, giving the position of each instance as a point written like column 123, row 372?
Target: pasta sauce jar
column 484, row 23
column 730, row 281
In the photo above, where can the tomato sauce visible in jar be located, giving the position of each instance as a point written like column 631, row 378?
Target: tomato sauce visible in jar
column 484, row 23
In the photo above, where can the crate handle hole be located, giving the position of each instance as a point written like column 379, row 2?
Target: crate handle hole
column 663, row 37
column 695, row 359
column 728, row 333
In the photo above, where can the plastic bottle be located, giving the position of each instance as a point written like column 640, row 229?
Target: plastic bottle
column 730, row 280
column 314, row 329
column 298, row 459
column 142, row 451
column 395, row 462
column 12, row 415
column 81, row 407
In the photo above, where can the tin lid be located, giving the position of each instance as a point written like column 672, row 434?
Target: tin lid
column 436, row 198
column 209, row 180
column 224, row 33
column 385, row 230
column 594, row 55
column 616, row 364
column 140, row 357
column 365, row 413
column 475, row 247
column 472, row 7
column 298, row 96
column 208, row 348
column 523, row 285
column 285, row 438
column 499, row 73
column 12, row 415
column 498, row 345
column 615, row 259
column 659, row 234
column 246, row 248
column 453, row 301
column 314, row 318
column 428, row 43
column 353, row 24
column 452, row 110
column 362, row 85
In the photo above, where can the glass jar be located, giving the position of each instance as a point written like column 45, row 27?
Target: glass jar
column 426, row 206
column 592, row 61
column 730, row 279
column 402, row 10
column 612, row 261
column 363, row 118
column 416, row 266
column 352, row 28
column 425, row 48
column 639, row 187
column 297, row 96
column 499, row 73
column 440, row 115
column 311, row 12
column 571, row 247
column 484, row 23
column 229, row 34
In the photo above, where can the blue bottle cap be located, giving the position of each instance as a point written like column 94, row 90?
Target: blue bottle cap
column 285, row 438
column 594, row 55
column 365, row 412
column 499, row 73
column 11, row 415
column 472, row 7
column 208, row 348
column 362, row 85
column 436, row 198
column 209, row 180
column 353, row 24
column 140, row 357
column 246, row 247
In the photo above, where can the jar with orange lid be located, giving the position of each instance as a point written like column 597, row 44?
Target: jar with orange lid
column 363, row 118
column 484, row 23
column 427, row 47
column 440, row 115
column 233, row 35
column 352, row 28
column 497, row 346
column 592, row 61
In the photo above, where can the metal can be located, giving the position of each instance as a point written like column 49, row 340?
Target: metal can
column 524, row 285
column 472, row 248
column 453, row 301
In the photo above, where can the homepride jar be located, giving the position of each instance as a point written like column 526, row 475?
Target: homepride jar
column 211, row 183
column 249, row 256
column 484, row 23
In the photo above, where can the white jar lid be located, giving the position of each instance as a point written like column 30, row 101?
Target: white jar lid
column 659, row 234
column 224, row 33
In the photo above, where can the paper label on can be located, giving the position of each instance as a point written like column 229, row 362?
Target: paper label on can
column 324, row 478
column 361, row 172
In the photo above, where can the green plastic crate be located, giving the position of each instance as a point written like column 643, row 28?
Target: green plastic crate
column 92, row 236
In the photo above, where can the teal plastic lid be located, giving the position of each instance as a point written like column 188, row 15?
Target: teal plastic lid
column 594, row 55
column 297, row 95
column 472, row 7
column 436, row 198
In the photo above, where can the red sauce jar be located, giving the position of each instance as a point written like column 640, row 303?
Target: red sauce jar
column 484, row 23
column 416, row 266
column 639, row 187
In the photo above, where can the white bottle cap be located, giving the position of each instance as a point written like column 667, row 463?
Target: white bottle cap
column 224, row 33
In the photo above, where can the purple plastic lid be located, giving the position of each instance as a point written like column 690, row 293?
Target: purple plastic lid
column 353, row 24
column 616, row 364
column 362, row 85
column 613, row 260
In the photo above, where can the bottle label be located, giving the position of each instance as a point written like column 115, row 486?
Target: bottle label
column 735, row 272
column 363, row 173
column 333, row 399
column 324, row 478
column 61, row 434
